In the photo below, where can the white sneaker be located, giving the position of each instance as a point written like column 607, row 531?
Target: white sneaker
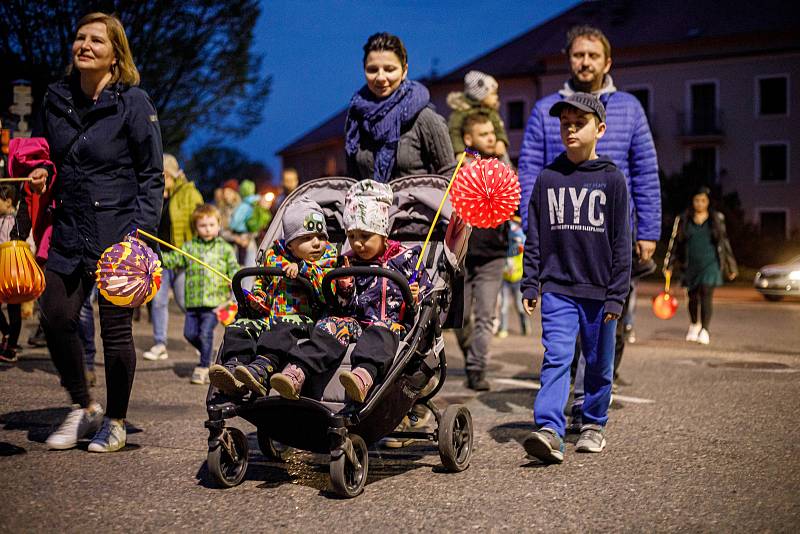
column 703, row 338
column 156, row 352
column 694, row 331
column 200, row 376
column 80, row 422
column 110, row 438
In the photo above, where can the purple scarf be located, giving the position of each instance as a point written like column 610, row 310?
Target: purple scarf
column 380, row 121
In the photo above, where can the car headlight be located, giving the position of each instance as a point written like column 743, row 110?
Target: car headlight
column 794, row 275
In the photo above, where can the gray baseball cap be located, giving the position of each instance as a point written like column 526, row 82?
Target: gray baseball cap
column 582, row 101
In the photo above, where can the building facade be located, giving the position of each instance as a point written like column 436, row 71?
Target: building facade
column 719, row 90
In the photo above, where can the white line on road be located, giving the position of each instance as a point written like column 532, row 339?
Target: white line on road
column 529, row 384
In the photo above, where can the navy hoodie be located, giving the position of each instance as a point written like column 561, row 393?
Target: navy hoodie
column 579, row 238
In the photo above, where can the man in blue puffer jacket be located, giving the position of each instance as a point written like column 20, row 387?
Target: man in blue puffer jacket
column 628, row 143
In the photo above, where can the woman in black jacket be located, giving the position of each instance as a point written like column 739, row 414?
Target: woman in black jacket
column 699, row 246
column 105, row 142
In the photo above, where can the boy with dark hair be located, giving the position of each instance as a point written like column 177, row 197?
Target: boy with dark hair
column 578, row 255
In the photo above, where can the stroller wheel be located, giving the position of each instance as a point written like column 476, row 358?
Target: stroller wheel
column 455, row 438
column 227, row 461
column 348, row 478
column 271, row 449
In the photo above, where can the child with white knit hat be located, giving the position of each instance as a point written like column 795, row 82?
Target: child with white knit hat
column 479, row 96
column 377, row 315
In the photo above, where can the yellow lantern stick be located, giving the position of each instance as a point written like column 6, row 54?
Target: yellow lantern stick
column 16, row 180
column 436, row 217
column 176, row 249
column 668, row 278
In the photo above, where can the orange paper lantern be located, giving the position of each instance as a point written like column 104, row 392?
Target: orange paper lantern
column 21, row 278
column 665, row 305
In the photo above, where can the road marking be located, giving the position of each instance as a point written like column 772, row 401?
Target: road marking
column 530, row 384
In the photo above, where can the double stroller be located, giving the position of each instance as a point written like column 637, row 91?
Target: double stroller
column 323, row 421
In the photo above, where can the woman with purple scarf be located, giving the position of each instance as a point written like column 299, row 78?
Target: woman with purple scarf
column 392, row 129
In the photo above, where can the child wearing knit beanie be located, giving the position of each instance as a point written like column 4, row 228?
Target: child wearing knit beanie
column 479, row 96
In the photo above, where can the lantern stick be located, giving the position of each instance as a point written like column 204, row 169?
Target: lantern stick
column 668, row 277
column 176, row 249
column 436, row 217
column 28, row 179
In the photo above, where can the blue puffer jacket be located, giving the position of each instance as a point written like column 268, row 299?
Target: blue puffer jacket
column 627, row 142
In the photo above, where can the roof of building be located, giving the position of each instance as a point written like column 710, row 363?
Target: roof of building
column 626, row 23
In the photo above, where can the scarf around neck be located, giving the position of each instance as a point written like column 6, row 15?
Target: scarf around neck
column 381, row 121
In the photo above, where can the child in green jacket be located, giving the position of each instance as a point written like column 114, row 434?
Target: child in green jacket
column 479, row 96
column 204, row 289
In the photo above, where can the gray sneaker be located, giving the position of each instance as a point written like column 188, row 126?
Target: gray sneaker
column 545, row 445
column 111, row 437
column 80, row 422
column 592, row 439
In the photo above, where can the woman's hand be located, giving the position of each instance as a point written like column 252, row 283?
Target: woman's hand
column 529, row 305
column 608, row 317
column 414, row 291
column 291, row 270
column 39, row 182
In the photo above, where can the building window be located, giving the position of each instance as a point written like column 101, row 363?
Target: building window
column 703, row 162
column 704, row 116
column 772, row 224
column 643, row 96
column 773, row 95
column 773, row 162
column 516, row 115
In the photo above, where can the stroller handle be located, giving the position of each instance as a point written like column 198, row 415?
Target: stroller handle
column 247, row 272
column 394, row 276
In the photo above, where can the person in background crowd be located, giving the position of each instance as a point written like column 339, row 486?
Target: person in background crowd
column 105, row 141
column 86, row 332
column 699, row 246
column 227, row 203
column 511, row 294
column 240, row 227
column 485, row 261
column 11, row 327
column 289, row 182
column 205, row 290
column 628, row 143
column 479, row 96
column 181, row 197
column 391, row 128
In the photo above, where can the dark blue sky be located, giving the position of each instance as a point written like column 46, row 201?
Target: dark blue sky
column 312, row 49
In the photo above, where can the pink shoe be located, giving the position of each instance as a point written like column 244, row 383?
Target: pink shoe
column 357, row 383
column 289, row 382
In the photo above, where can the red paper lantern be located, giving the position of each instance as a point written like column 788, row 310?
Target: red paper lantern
column 485, row 193
column 665, row 305
column 21, row 278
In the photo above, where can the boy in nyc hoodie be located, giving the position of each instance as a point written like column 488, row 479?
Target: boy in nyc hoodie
column 578, row 257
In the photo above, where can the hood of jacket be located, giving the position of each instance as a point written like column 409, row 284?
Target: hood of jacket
column 563, row 165
column 458, row 101
column 607, row 88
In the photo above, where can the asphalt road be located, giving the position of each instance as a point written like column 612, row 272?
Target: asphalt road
column 702, row 439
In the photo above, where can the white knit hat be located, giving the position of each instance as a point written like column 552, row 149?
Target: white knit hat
column 366, row 207
column 477, row 85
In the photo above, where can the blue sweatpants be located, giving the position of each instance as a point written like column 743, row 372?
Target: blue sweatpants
column 563, row 318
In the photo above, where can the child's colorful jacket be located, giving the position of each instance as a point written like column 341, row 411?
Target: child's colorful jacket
column 284, row 297
column 378, row 300
column 204, row 288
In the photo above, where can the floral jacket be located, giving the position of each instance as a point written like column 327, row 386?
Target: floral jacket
column 375, row 299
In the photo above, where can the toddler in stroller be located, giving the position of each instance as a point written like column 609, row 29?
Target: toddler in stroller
column 283, row 303
column 374, row 305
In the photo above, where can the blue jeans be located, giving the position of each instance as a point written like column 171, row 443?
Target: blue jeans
column 159, row 310
column 563, row 318
column 199, row 331
column 86, row 328
column 511, row 295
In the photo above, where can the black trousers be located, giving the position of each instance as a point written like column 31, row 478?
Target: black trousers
column 13, row 326
column 60, row 306
column 245, row 340
column 374, row 351
column 701, row 297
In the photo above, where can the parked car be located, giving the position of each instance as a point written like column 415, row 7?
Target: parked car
column 779, row 280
